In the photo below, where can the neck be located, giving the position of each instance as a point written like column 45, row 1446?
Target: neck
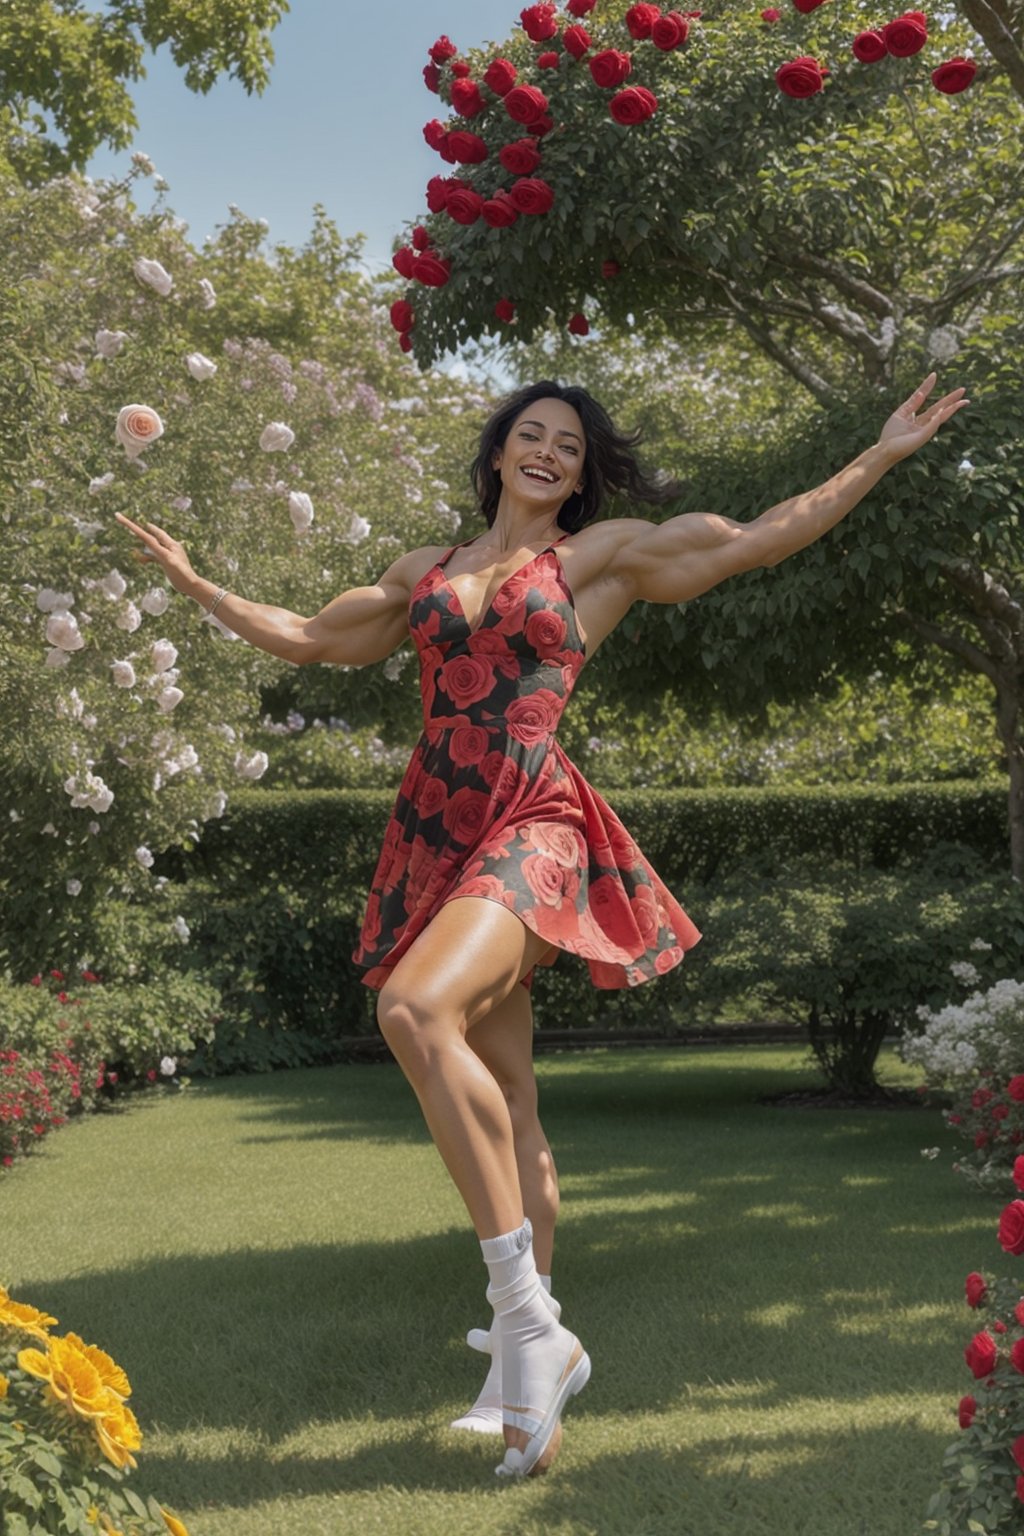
column 515, row 526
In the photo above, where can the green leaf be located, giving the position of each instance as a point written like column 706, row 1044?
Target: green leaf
column 47, row 1461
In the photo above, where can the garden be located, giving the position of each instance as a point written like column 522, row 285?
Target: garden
column 233, row 1279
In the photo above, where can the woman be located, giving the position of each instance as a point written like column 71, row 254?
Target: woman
column 498, row 853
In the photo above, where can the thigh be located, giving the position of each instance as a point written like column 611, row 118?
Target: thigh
column 466, row 961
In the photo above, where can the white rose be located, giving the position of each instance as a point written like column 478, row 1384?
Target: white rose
column 182, row 929
column 300, row 509
column 168, row 1066
column 200, row 367
column 73, row 887
column 169, row 698
column 188, row 757
column 164, row 655
column 137, row 427
column 129, row 618
column 99, row 485
column 253, row 767
column 57, row 658
column 109, row 343
column 113, row 584
column 155, row 601
column 217, row 805
column 47, row 600
column 144, row 857
column 62, row 631
column 124, row 674
column 207, row 297
column 101, row 798
column 143, row 163
column 357, row 529
column 276, row 437
column 153, row 275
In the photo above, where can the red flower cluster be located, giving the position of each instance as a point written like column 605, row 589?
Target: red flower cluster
column 800, row 77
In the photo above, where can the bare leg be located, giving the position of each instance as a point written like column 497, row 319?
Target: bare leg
column 504, row 1043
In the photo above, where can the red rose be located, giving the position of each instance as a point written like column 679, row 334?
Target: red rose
column 466, row 813
column 431, row 270
column 1018, row 1311
column 438, row 188
column 771, row 14
column 466, row 98
column 907, row 34
column 500, row 76
column 579, row 325
column 432, row 78
column 499, row 211
column 467, row 148
column 546, row 879
column 1019, row 1487
column 460, row 69
column 633, row 105
column 466, row 680
column 402, row 261
column 531, row 195
column 669, row 31
column 980, row 1097
column 505, row 310
column 975, row 1289
column 981, row 1353
column 610, row 269
column 546, row 631
column 644, row 906
column 468, row 744
column 539, row 22
column 575, row 41
column 464, row 205
column 435, row 133
column 547, row 60
column 502, row 773
column 981, row 1140
column 967, row 1408
column 799, row 78
column 1017, row 1356
column 402, row 317
column 1015, row 1088
column 950, row 78
column 525, row 104
column 521, row 158
column 640, row 19
column 541, row 125
column 1000, row 1111
column 610, row 67
column 668, row 959
column 805, row 7
column 998, row 1326
column 559, row 842
column 580, row 7
column 405, row 341
column 1018, row 1173
column 488, row 886
column 431, row 796
column 533, row 716
column 443, row 49
column 869, row 47
column 1011, row 1227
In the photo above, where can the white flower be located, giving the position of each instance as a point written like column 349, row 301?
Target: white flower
column 164, row 655
column 980, row 946
column 168, row 1066
column 200, row 367
column 49, row 829
column 137, row 426
column 357, row 530
column 300, row 509
column 943, row 344
column 182, row 929
column 129, row 618
column 965, row 467
column 109, row 343
column 113, row 584
column 73, row 887
column 99, row 485
column 47, row 600
column 153, row 275
column 188, row 757
column 70, row 373
column 89, row 790
column 964, row 971
column 253, row 767
column 207, row 297
column 62, row 631
column 217, row 805
column 276, row 437
column 143, row 163
column 930, row 1152
column 144, row 857
column 124, row 674
column 169, row 698
column 57, row 658
column 155, row 601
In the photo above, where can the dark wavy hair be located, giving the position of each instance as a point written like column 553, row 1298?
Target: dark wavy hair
column 610, row 463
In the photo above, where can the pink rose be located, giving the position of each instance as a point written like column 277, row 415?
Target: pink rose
column 558, row 841
column 136, row 428
column 549, row 881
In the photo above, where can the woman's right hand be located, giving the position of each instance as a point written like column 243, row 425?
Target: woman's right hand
column 165, row 551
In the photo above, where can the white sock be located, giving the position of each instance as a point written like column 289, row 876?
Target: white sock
column 535, row 1349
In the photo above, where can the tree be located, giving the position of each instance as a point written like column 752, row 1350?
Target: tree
column 853, row 238
column 69, row 63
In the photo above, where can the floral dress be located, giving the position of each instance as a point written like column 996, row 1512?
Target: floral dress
column 490, row 805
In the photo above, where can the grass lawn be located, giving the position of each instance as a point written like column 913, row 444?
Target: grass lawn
column 772, row 1300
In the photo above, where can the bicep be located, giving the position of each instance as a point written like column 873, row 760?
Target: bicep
column 677, row 560
column 360, row 626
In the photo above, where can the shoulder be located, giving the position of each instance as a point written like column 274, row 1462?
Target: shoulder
column 594, row 552
column 408, row 570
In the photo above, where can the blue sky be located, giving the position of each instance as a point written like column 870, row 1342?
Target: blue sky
column 340, row 122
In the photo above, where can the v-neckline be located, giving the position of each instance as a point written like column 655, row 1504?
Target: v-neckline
column 474, row 629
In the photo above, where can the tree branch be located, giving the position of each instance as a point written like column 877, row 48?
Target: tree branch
column 991, row 22
column 956, row 645
column 854, row 288
column 771, row 347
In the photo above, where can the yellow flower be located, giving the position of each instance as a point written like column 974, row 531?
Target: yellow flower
column 108, row 1529
column 118, row 1432
column 92, row 1514
column 71, row 1378
column 4, row 1384
column 110, row 1373
column 14, row 1314
column 175, row 1527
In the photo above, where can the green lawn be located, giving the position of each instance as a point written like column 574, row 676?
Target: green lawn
column 772, row 1299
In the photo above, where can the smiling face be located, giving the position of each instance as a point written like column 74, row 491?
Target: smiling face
column 541, row 461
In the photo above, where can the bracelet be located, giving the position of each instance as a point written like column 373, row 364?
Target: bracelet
column 220, row 592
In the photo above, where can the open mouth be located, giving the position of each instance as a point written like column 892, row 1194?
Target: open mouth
column 543, row 475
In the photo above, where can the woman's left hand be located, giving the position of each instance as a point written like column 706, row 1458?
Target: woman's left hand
column 905, row 431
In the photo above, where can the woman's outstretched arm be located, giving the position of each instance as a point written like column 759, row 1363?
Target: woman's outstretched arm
column 674, row 561
column 361, row 626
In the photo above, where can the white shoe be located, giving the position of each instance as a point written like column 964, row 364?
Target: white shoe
column 568, row 1373
column 484, row 1418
